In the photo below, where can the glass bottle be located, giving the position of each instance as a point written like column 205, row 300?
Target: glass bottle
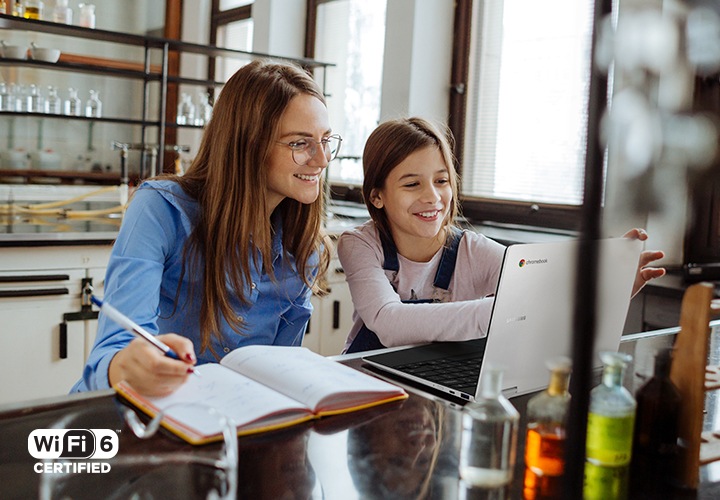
column 87, row 15
column 34, row 9
column 62, row 13
column 72, row 103
column 546, row 433
column 609, row 432
column 18, row 9
column 489, row 435
column 19, row 95
column 93, row 106
column 3, row 7
column 7, row 100
column 203, row 109
column 34, row 101
column 655, row 444
column 186, row 110
column 52, row 101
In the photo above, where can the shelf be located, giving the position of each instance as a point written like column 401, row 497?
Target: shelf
column 85, row 68
column 63, row 176
column 143, row 70
column 124, row 121
column 17, row 23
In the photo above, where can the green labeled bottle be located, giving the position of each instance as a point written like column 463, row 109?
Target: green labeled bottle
column 611, row 420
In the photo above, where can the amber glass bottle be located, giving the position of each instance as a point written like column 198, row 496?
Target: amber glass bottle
column 545, row 438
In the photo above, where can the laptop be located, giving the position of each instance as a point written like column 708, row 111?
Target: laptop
column 531, row 321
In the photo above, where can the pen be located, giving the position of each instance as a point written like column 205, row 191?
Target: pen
column 138, row 330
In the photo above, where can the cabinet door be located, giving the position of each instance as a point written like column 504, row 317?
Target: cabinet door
column 337, row 311
column 30, row 335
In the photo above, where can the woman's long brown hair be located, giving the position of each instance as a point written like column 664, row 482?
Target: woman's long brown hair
column 229, row 180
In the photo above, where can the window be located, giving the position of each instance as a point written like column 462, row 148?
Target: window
column 231, row 28
column 526, row 109
column 351, row 34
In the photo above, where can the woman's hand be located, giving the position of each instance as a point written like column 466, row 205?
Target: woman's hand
column 148, row 370
column 645, row 273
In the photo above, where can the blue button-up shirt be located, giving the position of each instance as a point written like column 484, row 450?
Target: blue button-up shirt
column 142, row 282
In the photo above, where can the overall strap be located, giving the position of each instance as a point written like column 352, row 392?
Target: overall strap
column 446, row 267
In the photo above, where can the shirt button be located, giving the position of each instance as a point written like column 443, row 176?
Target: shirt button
column 240, row 319
column 253, row 285
column 226, row 350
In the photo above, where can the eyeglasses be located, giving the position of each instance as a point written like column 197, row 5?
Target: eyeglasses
column 304, row 150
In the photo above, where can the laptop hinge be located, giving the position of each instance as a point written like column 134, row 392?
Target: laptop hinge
column 510, row 392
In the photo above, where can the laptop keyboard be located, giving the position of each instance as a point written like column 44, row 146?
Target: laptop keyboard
column 452, row 373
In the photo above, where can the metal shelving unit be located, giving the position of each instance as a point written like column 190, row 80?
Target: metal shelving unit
column 149, row 74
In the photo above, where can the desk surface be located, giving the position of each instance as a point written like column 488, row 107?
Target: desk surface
column 400, row 450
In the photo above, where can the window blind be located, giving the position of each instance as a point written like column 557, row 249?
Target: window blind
column 526, row 121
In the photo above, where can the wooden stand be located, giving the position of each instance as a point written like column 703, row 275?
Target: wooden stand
column 693, row 378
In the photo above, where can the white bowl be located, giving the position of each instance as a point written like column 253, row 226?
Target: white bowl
column 47, row 55
column 14, row 51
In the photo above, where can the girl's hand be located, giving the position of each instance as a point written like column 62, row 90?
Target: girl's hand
column 148, row 370
column 645, row 273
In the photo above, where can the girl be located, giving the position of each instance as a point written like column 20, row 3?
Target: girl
column 228, row 254
column 413, row 275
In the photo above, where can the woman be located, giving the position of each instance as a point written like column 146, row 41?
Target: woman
column 228, row 254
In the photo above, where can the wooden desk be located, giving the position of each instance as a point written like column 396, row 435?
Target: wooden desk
column 401, row 450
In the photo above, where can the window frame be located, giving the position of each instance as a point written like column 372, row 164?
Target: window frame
column 220, row 18
column 475, row 209
column 526, row 213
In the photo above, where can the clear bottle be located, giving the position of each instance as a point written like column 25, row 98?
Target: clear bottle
column 7, row 100
column 655, row 443
column 609, row 432
column 186, row 110
column 62, row 13
column 19, row 94
column 18, row 9
column 34, row 101
column 489, row 435
column 72, row 103
column 203, row 109
column 34, row 9
column 546, row 433
column 87, row 15
column 93, row 106
column 52, row 101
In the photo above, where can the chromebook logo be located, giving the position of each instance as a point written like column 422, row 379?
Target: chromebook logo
column 524, row 262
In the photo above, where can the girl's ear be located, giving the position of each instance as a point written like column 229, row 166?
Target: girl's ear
column 375, row 199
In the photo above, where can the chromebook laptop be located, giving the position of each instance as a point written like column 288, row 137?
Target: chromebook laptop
column 531, row 321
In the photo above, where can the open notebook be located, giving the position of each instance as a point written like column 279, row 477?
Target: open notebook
column 531, row 321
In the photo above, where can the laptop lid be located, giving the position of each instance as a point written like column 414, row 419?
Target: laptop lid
column 533, row 315
column 532, row 318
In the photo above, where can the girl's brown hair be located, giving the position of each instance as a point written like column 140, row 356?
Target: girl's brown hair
column 388, row 145
column 228, row 179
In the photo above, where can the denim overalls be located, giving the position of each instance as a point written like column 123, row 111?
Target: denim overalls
column 366, row 340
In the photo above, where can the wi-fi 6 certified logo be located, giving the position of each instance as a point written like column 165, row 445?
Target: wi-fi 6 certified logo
column 73, row 443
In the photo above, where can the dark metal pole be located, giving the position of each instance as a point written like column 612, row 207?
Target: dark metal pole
column 586, row 274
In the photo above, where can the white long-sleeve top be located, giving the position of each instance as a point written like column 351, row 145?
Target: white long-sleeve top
column 463, row 311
